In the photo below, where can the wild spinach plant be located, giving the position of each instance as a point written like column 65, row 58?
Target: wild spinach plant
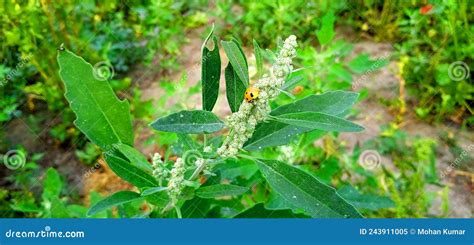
column 218, row 175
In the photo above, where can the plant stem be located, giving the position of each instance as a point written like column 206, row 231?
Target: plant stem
column 178, row 212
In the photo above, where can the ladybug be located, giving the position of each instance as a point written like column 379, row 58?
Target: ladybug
column 251, row 94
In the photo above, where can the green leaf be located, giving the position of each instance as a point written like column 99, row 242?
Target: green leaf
column 196, row 208
column 235, row 88
column 210, row 73
column 326, row 33
column 220, row 190
column 58, row 209
column 338, row 71
column 274, row 133
column 153, row 190
column 52, row 184
column 115, row 199
column 331, row 103
column 365, row 201
column 129, row 172
column 135, row 157
column 362, row 63
column 237, row 59
column 233, row 168
column 189, row 122
column 258, row 58
column 259, row 211
column 317, row 120
column 101, row 116
column 304, row 191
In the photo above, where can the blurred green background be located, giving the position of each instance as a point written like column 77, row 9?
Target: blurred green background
column 412, row 62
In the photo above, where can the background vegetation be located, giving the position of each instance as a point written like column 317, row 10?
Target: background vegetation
column 410, row 60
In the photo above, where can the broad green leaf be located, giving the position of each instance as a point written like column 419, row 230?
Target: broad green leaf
column 196, row 208
column 273, row 133
column 237, row 59
column 326, row 33
column 129, row 172
column 365, row 201
column 189, row 122
column 318, row 120
column 233, row 168
column 115, row 199
column 277, row 202
column 101, row 116
column 258, row 58
column 220, row 190
column 259, row 211
column 135, row 157
column 153, row 190
column 331, row 103
column 52, row 184
column 210, row 73
column 306, row 192
column 362, row 63
column 235, row 88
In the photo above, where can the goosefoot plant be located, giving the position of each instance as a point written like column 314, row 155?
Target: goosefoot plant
column 212, row 176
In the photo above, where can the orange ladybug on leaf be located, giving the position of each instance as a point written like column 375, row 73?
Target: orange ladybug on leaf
column 251, row 94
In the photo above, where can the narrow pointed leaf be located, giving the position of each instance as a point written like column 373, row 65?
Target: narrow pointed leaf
column 210, row 73
column 101, row 116
column 235, row 88
column 306, row 192
column 135, row 157
column 365, row 201
column 258, row 58
column 273, row 133
column 129, row 172
column 115, row 199
column 317, row 120
column 237, row 59
column 220, row 190
column 189, row 122
column 153, row 190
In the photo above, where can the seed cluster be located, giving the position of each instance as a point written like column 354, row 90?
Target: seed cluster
column 175, row 184
column 243, row 122
column 159, row 170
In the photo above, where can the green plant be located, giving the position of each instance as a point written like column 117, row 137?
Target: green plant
column 436, row 58
column 204, row 173
column 114, row 35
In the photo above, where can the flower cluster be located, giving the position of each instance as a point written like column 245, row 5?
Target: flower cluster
column 159, row 170
column 175, row 184
column 243, row 122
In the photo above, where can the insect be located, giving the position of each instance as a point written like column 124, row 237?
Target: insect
column 251, row 94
